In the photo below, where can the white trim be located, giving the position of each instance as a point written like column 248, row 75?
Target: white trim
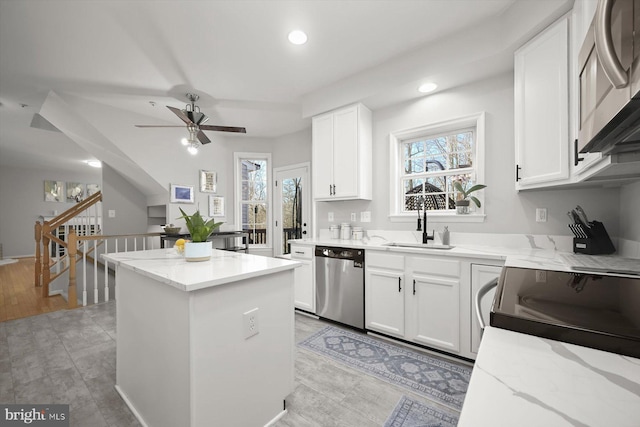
column 238, row 193
column 440, row 217
column 477, row 121
column 277, row 202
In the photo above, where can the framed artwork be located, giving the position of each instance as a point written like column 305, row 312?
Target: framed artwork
column 75, row 192
column 54, row 191
column 92, row 189
column 208, row 181
column 216, row 206
column 182, row 194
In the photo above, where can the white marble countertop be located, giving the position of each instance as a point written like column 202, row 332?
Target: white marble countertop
column 522, row 380
column 166, row 266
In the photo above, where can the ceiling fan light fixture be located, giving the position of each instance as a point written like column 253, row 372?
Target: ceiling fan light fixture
column 184, row 141
column 193, row 148
column 297, row 37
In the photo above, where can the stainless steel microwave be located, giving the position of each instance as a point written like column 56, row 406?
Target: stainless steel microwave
column 609, row 67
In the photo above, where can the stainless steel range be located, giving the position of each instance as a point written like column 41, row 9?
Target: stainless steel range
column 588, row 309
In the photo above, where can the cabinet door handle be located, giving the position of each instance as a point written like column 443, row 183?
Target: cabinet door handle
column 334, row 189
column 576, row 157
column 518, row 168
column 299, row 252
column 399, row 286
column 330, row 190
column 414, row 286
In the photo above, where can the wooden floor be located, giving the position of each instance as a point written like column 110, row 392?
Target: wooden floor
column 19, row 297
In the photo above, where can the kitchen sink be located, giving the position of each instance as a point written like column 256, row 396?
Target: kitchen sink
column 418, row 245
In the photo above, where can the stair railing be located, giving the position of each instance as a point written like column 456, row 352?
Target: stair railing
column 84, row 250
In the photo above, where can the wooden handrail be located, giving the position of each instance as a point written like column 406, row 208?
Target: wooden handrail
column 75, row 210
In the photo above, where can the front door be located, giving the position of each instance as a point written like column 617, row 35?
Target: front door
column 292, row 204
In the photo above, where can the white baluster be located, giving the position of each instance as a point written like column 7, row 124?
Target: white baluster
column 95, row 271
column 84, row 273
column 106, row 274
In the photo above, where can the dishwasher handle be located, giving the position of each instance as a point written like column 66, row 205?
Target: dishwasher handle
column 482, row 292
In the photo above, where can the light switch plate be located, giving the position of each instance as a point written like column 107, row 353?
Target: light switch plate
column 365, row 216
column 541, row 214
column 250, row 323
column 353, row 216
column 330, row 217
column 112, row 213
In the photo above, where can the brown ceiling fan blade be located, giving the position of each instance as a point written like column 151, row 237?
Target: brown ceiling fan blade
column 223, row 128
column 180, row 114
column 159, row 126
column 203, row 138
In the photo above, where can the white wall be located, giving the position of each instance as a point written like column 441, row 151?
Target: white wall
column 507, row 211
column 22, row 202
column 126, row 201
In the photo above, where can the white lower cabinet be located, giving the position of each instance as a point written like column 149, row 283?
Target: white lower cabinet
column 433, row 302
column 416, row 298
column 384, row 293
column 480, row 276
column 304, row 278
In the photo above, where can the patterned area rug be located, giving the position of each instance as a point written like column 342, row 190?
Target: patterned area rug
column 411, row 413
column 436, row 379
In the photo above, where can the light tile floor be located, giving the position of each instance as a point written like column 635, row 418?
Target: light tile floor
column 69, row 357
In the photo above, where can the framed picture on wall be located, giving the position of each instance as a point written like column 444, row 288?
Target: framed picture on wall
column 216, row 206
column 208, row 181
column 54, row 191
column 182, row 194
column 92, row 189
column 75, row 192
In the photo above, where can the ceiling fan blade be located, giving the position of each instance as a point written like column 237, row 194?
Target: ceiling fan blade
column 203, row 138
column 180, row 114
column 223, row 128
column 159, row 126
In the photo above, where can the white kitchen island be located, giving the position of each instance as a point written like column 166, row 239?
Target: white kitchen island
column 183, row 356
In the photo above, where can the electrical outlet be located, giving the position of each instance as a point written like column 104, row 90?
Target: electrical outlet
column 365, row 216
column 112, row 213
column 541, row 215
column 353, row 216
column 250, row 323
column 541, row 276
column 330, row 217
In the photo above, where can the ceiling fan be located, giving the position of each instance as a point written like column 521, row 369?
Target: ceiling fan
column 195, row 120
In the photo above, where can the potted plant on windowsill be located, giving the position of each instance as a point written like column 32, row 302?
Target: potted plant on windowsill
column 198, row 249
column 464, row 194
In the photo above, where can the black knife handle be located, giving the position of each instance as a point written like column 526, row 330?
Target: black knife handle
column 518, row 177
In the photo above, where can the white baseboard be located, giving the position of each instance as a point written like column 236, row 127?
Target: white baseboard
column 276, row 418
column 134, row 411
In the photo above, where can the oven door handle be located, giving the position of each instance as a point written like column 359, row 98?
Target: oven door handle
column 611, row 65
column 481, row 292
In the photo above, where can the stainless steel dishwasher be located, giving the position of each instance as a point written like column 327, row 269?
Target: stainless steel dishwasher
column 340, row 285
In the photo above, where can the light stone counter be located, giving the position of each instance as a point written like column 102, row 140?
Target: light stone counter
column 167, row 266
column 522, row 380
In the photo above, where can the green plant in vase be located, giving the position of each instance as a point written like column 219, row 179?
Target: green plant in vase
column 464, row 194
column 198, row 249
column 199, row 229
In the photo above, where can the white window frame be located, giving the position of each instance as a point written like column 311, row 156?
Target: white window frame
column 476, row 121
column 237, row 171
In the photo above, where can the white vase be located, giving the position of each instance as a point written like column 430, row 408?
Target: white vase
column 197, row 251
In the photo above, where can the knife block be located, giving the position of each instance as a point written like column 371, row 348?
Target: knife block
column 597, row 244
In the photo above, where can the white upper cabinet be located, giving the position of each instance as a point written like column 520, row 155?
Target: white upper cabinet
column 342, row 154
column 542, row 107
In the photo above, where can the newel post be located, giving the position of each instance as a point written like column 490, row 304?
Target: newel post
column 46, row 264
column 72, row 251
column 38, row 265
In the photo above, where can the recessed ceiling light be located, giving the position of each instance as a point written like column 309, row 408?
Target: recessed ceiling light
column 427, row 87
column 297, row 37
column 94, row 163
